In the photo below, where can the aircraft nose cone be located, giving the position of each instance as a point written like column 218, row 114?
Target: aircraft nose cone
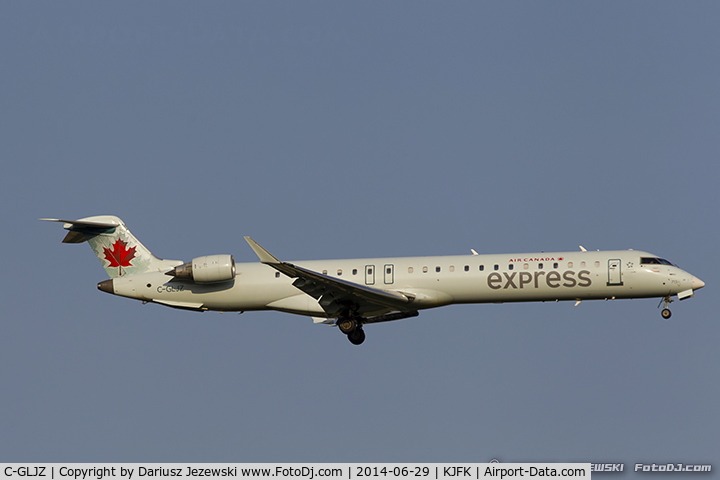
column 697, row 283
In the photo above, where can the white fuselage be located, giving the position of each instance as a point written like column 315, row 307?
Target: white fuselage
column 430, row 281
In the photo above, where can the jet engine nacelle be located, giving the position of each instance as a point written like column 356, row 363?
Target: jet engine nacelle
column 207, row 269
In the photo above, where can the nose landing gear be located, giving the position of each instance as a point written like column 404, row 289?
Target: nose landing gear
column 665, row 302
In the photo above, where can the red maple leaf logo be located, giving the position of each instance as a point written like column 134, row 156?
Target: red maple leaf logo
column 120, row 255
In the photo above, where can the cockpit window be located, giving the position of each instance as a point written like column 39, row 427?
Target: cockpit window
column 654, row 261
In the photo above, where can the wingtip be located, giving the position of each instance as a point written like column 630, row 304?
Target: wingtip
column 263, row 255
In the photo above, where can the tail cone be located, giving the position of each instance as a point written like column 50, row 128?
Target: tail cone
column 106, row 286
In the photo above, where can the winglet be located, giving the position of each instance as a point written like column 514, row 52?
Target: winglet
column 264, row 255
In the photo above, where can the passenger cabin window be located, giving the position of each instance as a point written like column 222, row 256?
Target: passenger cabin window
column 540, row 266
column 511, row 266
column 277, row 274
column 354, row 271
column 339, row 272
column 437, row 269
column 570, row 264
column 452, row 268
column 497, row 267
column 410, row 269
column 482, row 268
column 467, row 268
column 525, row 266
column 425, row 269
column 597, row 263
column 555, row 265
column 324, row 272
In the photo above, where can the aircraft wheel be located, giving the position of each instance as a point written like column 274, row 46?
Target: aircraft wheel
column 357, row 336
column 666, row 313
column 347, row 325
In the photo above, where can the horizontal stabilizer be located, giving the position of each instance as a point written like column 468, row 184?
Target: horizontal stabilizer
column 119, row 252
column 68, row 224
column 82, row 230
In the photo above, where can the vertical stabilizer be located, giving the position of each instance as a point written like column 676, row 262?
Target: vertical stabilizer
column 119, row 252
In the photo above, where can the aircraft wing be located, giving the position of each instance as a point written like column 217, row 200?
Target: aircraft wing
column 335, row 295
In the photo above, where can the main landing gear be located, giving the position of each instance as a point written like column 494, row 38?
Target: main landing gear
column 357, row 336
column 665, row 302
column 353, row 329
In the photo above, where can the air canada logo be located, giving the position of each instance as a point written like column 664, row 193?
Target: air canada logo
column 536, row 259
column 120, row 255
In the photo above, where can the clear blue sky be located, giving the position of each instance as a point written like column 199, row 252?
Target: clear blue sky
column 334, row 130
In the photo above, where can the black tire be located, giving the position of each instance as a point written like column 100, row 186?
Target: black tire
column 357, row 336
column 347, row 325
column 666, row 313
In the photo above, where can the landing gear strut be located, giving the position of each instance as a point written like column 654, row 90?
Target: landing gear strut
column 665, row 302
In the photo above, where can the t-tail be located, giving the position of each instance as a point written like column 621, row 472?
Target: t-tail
column 119, row 252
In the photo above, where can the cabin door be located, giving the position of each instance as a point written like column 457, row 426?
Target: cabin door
column 614, row 272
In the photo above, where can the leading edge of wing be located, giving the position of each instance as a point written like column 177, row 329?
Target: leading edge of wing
column 68, row 224
column 373, row 295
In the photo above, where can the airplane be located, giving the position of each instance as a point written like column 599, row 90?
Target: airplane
column 353, row 293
